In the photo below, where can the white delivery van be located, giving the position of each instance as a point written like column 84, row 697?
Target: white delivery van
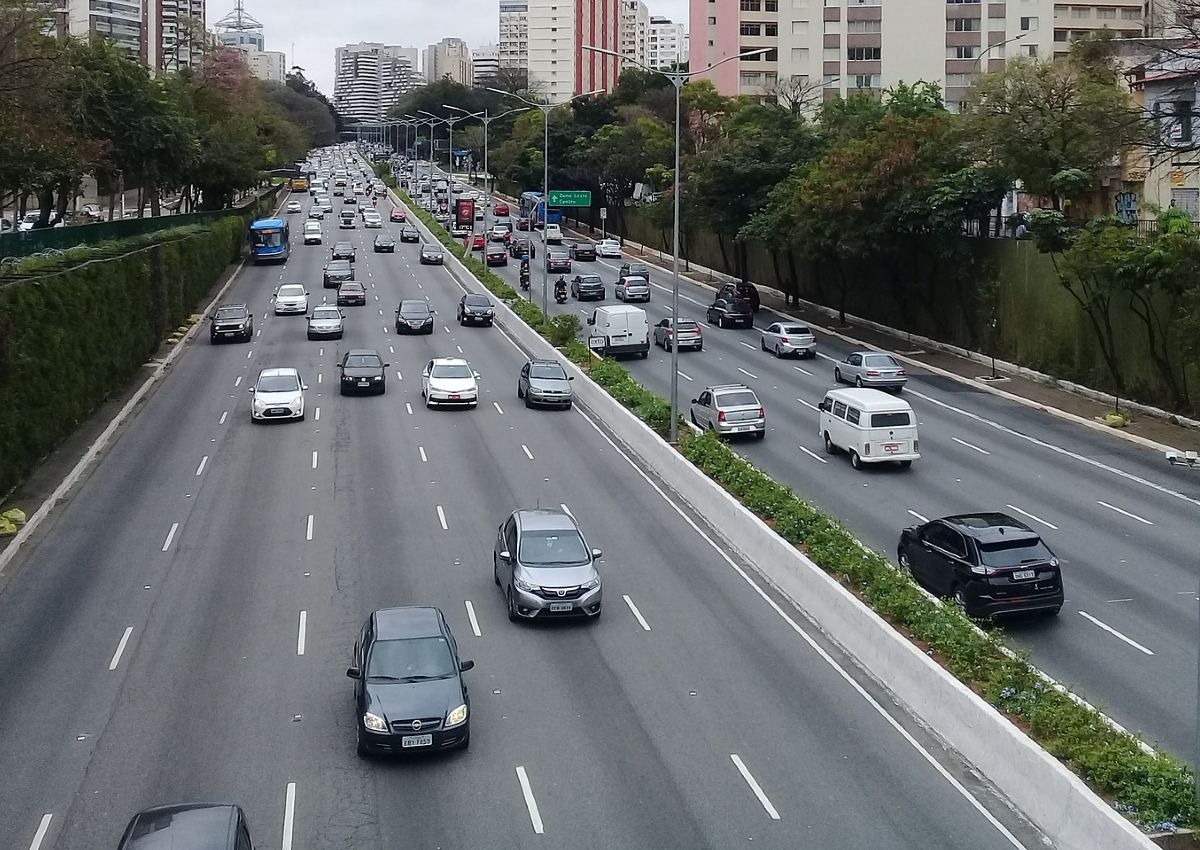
column 624, row 331
column 870, row 425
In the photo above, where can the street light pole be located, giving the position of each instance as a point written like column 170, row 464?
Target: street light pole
column 991, row 47
column 487, row 120
column 677, row 79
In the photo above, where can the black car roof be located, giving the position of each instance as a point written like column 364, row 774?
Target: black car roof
column 411, row 621
column 338, row 263
column 193, row 826
column 342, row 244
column 991, row 527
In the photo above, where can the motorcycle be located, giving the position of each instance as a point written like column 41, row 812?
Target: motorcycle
column 560, row 292
column 524, row 280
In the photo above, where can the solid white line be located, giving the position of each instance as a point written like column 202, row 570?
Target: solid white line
column 289, row 815
column 116, row 659
column 636, row 612
column 813, row 455
column 170, row 536
column 200, row 468
column 744, row 372
column 528, row 453
column 808, row 639
column 754, row 786
column 809, row 404
column 317, row 415
column 567, row 511
column 1032, row 517
column 748, row 345
column 1126, row 513
column 238, row 382
column 40, row 835
column 1115, row 633
column 471, row 617
column 685, row 377
column 442, row 518
column 969, row 446
column 314, row 460
column 300, row 634
column 224, row 416
column 499, row 409
column 408, row 407
column 918, row 516
column 308, row 531
column 530, row 803
column 424, row 459
column 805, row 371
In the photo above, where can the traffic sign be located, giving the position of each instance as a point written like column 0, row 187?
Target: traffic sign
column 603, row 213
column 570, row 198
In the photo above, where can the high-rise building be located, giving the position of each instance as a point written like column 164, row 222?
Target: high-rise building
column 559, row 67
column 451, row 58
column 485, row 61
column 666, row 43
column 165, row 35
column 635, row 26
column 835, row 47
column 269, row 65
column 121, row 21
column 514, row 34
column 175, row 33
column 369, row 77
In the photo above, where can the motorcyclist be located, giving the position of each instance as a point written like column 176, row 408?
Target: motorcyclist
column 560, row 285
column 525, row 271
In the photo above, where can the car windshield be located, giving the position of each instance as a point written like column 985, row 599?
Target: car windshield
column 877, row 360
column 551, row 548
column 431, row 249
column 635, row 281
column 291, row 289
column 478, row 301
column 739, row 304
column 1013, row 553
column 411, row 660
column 414, row 308
column 898, row 419
column 548, row 370
column 338, row 265
column 278, row 384
column 363, row 361
column 231, row 313
column 737, row 398
column 451, row 370
column 794, row 329
column 326, row 313
column 342, row 247
column 383, row 239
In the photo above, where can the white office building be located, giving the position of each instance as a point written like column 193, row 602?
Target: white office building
column 635, row 27
column 514, row 34
column 485, row 61
column 666, row 42
column 369, row 77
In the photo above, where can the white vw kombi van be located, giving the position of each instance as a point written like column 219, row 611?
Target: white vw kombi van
column 870, row 425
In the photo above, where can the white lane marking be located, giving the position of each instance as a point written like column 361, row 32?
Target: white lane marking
column 408, row 407
column 1114, row 632
column 809, row 404
column 499, row 409
column 535, row 817
column 238, row 382
column 317, row 416
column 471, row 617
column 392, row 349
column 970, row 446
column 528, row 453
column 446, row 329
column 301, row 632
column 636, row 613
column 459, row 347
column 808, row 639
column 399, row 376
column 567, row 511
column 918, row 516
column 813, row 455
column 318, row 377
column 1033, row 517
column 424, row 459
column 685, row 377
column 750, row 374
column 116, row 659
column 248, row 353
column 289, row 815
column 442, row 518
column 40, row 835
column 381, row 312
column 309, row 529
column 320, row 352
column 170, row 536
column 203, row 463
column 1129, row 476
column 224, row 416
column 748, row 345
column 314, row 460
column 754, row 786
column 804, row 371
column 1126, row 513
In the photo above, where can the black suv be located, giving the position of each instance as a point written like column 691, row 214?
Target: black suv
column 337, row 272
column 741, row 289
column 634, row 268
column 520, row 246
column 587, row 287
column 724, row 312
column 988, row 563
column 362, row 372
column 343, row 251
column 232, row 321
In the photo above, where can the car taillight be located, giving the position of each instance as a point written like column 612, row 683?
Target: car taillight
column 720, row 415
column 783, row 339
column 762, row 412
column 916, row 445
column 872, row 373
column 901, row 372
column 670, row 332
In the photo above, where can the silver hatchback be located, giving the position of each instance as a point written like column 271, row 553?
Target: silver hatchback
column 871, row 369
column 544, row 568
column 729, row 409
column 325, row 322
column 632, row 289
column 784, row 338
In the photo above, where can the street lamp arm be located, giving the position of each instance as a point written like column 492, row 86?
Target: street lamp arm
column 683, row 75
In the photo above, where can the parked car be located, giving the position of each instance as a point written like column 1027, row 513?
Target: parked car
column 545, row 382
column 632, row 288
column 871, row 369
column 337, row 272
column 725, row 312
column 476, row 310
column 408, row 233
column 685, row 333
column 432, row 254
column 449, row 381
column 232, row 321
column 730, row 409
column 326, row 322
column 784, row 338
column 989, row 563
column 352, row 293
column 414, row 316
column 343, row 251
column 544, row 567
column 608, row 248
column 587, row 287
column 582, row 251
column 558, row 261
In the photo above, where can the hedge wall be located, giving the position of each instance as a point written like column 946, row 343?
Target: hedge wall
column 70, row 338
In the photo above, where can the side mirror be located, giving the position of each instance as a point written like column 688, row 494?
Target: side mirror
column 570, row 377
column 353, row 673
column 477, row 376
column 304, row 386
column 250, row 390
column 464, row 666
column 506, row 555
column 695, row 401
column 591, row 320
column 596, row 553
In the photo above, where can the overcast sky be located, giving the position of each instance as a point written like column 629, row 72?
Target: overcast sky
column 313, row 28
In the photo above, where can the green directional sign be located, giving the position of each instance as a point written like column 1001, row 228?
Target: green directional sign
column 570, row 198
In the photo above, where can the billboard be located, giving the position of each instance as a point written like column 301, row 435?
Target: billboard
column 464, row 212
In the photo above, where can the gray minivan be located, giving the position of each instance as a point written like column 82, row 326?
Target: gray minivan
column 191, row 826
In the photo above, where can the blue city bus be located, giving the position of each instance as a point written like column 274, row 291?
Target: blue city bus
column 269, row 240
column 532, row 207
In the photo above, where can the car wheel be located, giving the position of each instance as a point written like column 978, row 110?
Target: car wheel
column 361, row 748
column 778, row 351
column 668, row 344
column 644, row 354
column 855, row 460
column 763, row 344
column 342, row 390
column 760, row 434
column 837, row 374
column 721, row 322
column 858, row 381
column 520, row 392
column 513, row 616
column 959, row 597
column 830, row 448
column 528, row 403
column 495, row 570
column 905, row 564
column 1053, row 612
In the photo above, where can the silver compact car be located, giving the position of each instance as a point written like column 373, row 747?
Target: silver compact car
column 277, row 394
column 291, row 298
column 544, row 568
column 326, row 323
column 632, row 289
column 786, row 338
column 871, row 369
column 686, row 334
column 730, row 409
column 449, row 381
column 545, row 382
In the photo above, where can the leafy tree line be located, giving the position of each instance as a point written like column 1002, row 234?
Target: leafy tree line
column 71, row 108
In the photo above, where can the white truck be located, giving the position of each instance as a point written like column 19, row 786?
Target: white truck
column 619, row 329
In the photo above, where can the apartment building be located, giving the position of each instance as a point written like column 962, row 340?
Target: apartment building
column 834, row 47
column 666, row 43
column 559, row 67
column 514, row 34
column 165, row 35
column 485, row 61
column 451, row 58
column 175, row 33
column 369, row 77
column 269, row 65
column 635, row 31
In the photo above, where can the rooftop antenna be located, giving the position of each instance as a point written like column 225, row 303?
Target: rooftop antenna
column 239, row 20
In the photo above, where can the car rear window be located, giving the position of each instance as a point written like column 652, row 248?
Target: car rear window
column 799, row 330
column 736, row 398
column 898, row 419
column 877, row 360
column 686, row 326
column 1014, row 553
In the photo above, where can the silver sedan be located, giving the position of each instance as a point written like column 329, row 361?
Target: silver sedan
column 784, row 338
column 871, row 369
column 326, row 322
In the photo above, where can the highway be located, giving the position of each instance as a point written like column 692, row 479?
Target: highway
column 180, row 630
column 1123, row 522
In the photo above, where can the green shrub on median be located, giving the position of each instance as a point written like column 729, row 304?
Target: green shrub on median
column 1151, row 790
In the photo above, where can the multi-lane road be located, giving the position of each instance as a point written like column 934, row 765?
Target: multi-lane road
column 181, row 630
column 1125, row 525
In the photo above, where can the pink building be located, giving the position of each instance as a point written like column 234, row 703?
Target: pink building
column 713, row 25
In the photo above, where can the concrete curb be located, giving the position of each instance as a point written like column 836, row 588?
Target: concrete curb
column 1043, row 789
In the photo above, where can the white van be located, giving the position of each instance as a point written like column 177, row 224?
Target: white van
column 871, row 425
column 624, row 330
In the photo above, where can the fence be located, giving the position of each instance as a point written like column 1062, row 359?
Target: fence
column 22, row 244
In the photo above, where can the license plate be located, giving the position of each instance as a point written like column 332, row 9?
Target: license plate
column 364, row 383
column 1021, row 575
column 742, row 428
column 408, row 741
column 561, row 606
column 891, row 448
column 228, row 333
column 454, row 395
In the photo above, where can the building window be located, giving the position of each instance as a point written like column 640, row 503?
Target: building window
column 799, row 4
column 969, row 52
column 1181, row 127
column 1031, row 50
column 865, row 81
column 771, row 55
column 1060, row 35
column 862, row 3
column 962, row 2
column 799, row 55
column 1029, row 24
column 960, row 25
column 832, row 54
column 751, row 58
column 750, row 6
column 771, row 29
column 770, row 5
column 959, row 80
column 1130, row 15
column 1080, row 12
column 863, row 26
column 750, row 29
column 861, row 54
column 750, row 78
column 1060, row 12
column 830, row 81
column 996, row 24
column 1106, row 14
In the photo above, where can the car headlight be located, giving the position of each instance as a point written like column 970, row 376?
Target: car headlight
column 374, row 722
column 524, row 585
column 591, row 584
column 378, row 378
column 457, row 717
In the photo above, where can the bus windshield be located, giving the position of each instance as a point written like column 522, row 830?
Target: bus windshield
column 267, row 238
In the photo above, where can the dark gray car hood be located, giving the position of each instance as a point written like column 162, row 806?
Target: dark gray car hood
column 406, row 700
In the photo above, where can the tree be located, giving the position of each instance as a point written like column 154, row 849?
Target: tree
column 304, row 111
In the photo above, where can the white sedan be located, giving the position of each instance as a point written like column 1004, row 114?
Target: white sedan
column 608, row 248
column 291, row 298
column 277, row 394
column 312, row 233
column 294, row 207
column 449, row 380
